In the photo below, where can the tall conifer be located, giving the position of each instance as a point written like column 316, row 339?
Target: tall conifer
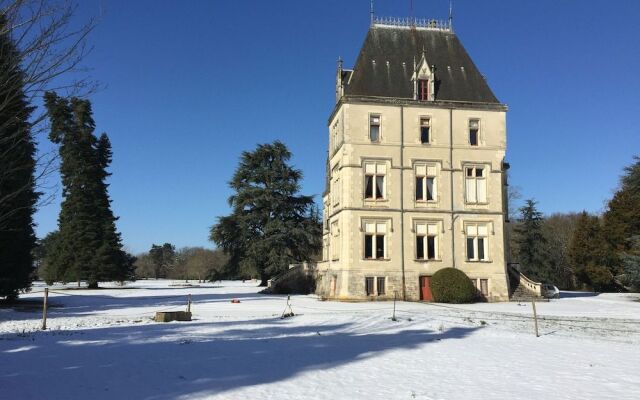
column 89, row 246
column 18, row 195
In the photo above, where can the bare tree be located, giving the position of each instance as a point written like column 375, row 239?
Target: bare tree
column 50, row 49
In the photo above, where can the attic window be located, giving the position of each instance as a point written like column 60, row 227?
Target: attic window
column 423, row 89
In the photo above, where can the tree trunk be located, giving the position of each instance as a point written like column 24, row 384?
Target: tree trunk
column 263, row 279
column 93, row 285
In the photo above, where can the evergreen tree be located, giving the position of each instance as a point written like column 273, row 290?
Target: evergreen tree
column 589, row 253
column 270, row 225
column 163, row 259
column 89, row 246
column 531, row 244
column 622, row 218
column 18, row 195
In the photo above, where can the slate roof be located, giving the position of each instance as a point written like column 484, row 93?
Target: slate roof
column 457, row 78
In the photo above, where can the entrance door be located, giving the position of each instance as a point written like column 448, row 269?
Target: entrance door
column 425, row 288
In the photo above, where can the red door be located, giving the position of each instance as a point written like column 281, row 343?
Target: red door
column 425, row 288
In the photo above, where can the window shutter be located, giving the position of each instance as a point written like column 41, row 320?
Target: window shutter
column 471, row 190
column 482, row 190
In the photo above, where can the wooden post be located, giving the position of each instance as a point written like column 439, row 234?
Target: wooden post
column 535, row 316
column 44, row 309
column 189, row 303
column 395, row 294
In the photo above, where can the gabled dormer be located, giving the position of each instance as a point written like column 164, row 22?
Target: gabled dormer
column 424, row 80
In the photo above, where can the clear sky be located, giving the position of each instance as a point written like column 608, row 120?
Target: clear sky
column 189, row 85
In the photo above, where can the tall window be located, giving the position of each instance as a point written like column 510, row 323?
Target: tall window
column 476, row 184
column 374, row 127
column 425, row 130
column 368, row 286
column 374, row 181
column 374, row 240
column 380, row 285
column 474, row 129
column 423, row 89
column 477, row 242
column 426, row 241
column 425, row 183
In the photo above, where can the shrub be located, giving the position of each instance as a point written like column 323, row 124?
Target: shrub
column 297, row 284
column 450, row 285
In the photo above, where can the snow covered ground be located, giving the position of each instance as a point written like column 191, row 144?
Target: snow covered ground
column 102, row 344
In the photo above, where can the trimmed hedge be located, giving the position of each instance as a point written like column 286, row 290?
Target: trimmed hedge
column 450, row 285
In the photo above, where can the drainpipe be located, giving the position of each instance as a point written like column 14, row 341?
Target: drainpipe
column 453, row 236
column 404, row 290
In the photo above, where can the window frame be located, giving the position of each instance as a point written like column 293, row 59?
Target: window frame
column 374, row 181
column 422, row 125
column 372, row 116
column 372, row 286
column 475, row 241
column 424, row 238
column 424, row 178
column 486, row 169
column 471, row 128
column 374, row 238
column 423, row 90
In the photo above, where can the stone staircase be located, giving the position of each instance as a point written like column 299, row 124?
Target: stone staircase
column 523, row 289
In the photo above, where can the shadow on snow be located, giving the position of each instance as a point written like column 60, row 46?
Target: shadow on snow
column 172, row 360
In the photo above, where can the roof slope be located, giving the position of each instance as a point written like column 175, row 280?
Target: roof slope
column 457, row 78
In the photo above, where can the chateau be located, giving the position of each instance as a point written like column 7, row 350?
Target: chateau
column 416, row 172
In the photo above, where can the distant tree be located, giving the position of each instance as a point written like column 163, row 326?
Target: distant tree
column 163, row 258
column 622, row 218
column 589, row 253
column 43, row 254
column 531, row 243
column 18, row 194
column 144, row 267
column 270, row 225
column 89, row 247
column 558, row 230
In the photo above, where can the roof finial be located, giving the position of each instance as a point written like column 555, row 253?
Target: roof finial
column 339, row 63
column 451, row 15
column 371, row 12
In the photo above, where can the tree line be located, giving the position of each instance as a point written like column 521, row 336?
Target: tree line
column 188, row 263
column 583, row 250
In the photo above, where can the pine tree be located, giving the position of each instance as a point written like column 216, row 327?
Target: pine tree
column 270, row 225
column 89, row 246
column 589, row 253
column 18, row 195
column 531, row 244
column 622, row 218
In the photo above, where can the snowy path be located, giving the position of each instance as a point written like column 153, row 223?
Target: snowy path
column 102, row 344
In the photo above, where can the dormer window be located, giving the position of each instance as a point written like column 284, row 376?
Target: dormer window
column 423, row 90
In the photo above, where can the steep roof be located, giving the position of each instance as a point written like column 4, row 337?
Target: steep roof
column 457, row 78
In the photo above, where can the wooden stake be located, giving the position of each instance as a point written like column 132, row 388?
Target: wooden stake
column 535, row 316
column 44, row 309
column 189, row 303
column 395, row 294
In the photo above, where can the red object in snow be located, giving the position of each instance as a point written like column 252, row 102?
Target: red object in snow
column 235, row 301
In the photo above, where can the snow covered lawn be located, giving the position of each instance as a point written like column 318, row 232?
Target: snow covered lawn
column 102, row 344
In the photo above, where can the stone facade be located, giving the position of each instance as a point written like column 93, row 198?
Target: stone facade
column 403, row 201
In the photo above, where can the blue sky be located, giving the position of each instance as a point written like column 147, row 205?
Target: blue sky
column 189, row 85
